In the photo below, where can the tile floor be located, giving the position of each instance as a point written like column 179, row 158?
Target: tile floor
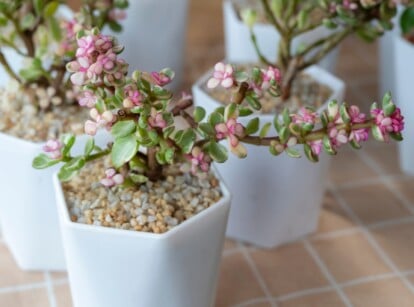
column 363, row 252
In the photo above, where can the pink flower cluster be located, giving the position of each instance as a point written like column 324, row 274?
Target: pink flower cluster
column 156, row 120
column 232, row 130
column 223, row 75
column 68, row 44
column 97, row 61
column 269, row 77
column 112, row 178
column 388, row 124
column 133, row 98
column 104, row 120
column 54, row 148
column 199, row 161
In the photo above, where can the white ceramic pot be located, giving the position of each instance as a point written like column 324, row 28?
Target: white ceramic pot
column 239, row 47
column 110, row 267
column 154, row 35
column 404, row 65
column 28, row 213
column 275, row 199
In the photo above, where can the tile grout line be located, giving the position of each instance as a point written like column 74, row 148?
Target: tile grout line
column 302, row 293
column 368, row 181
column 313, row 253
column 49, row 288
column 252, row 301
column 257, row 275
column 22, row 288
column 368, row 236
column 386, row 181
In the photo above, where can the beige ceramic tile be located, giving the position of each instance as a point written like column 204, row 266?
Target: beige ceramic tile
column 374, row 203
column 237, row 283
column 58, row 275
column 386, row 157
column 349, row 257
column 10, row 274
column 348, row 167
column 398, row 242
column 333, row 218
column 406, row 187
column 63, row 296
column 384, row 293
column 327, row 299
column 230, row 244
column 29, row 298
column 288, row 269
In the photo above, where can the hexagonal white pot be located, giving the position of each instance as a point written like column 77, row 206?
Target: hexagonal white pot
column 110, row 267
column 28, row 213
column 154, row 35
column 275, row 199
column 239, row 47
column 404, row 65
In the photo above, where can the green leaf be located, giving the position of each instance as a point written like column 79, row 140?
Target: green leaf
column 217, row 152
column 397, row 137
column 327, row 146
column 343, row 111
column 28, row 21
column 123, row 150
column 55, row 28
column 138, row 178
column 43, row 161
column 265, row 130
column 276, row 123
column 377, row 134
column 38, row 6
column 31, row 74
column 90, row 145
column 215, row 118
column 293, row 153
column 355, row 144
column 243, row 112
column 295, row 129
column 387, row 105
column 286, row 117
column 187, row 140
column 50, row 9
column 68, row 141
column 75, row 164
column 254, row 102
column 284, row 134
column 206, row 129
column 66, row 175
column 309, row 153
column 253, row 126
column 199, row 114
column 407, row 20
column 230, row 110
column 123, row 128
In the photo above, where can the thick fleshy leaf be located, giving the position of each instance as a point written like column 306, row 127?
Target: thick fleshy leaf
column 217, row 152
column 123, row 150
column 123, row 128
column 43, row 161
column 252, row 126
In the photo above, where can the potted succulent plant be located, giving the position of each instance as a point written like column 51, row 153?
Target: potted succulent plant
column 239, row 47
column 39, row 103
column 150, row 195
column 293, row 214
column 160, row 24
column 403, row 43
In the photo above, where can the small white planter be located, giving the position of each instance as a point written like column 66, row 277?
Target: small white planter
column 275, row 199
column 154, row 35
column 109, row 267
column 404, row 66
column 28, row 213
column 239, row 47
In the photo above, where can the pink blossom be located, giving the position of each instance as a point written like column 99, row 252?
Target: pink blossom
column 349, row 5
column 79, row 69
column 305, row 116
column 337, row 137
column 232, row 130
column 104, row 62
column 270, row 76
column 86, row 46
column 160, row 79
column 87, row 99
column 199, row 160
column 112, row 178
column 389, row 124
column 53, row 147
column 156, row 120
column 133, row 97
column 316, row 147
column 356, row 116
column 359, row 135
column 104, row 120
column 223, row 74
